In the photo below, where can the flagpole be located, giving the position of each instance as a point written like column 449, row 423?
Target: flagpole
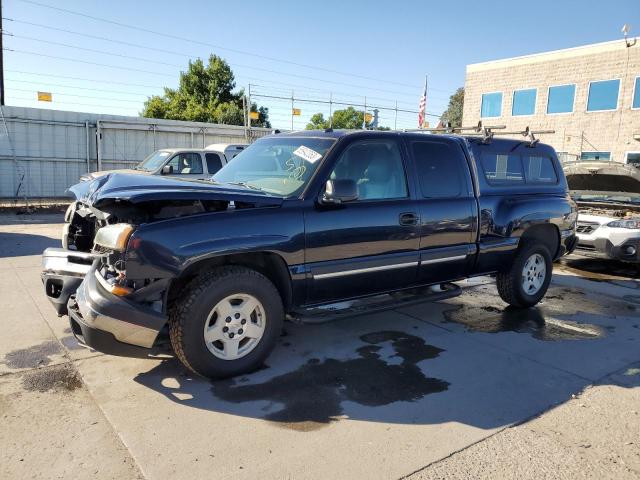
column 424, row 116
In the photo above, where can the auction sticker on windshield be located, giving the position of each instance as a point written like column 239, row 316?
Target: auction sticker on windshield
column 307, row 154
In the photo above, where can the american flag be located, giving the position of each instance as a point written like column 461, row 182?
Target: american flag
column 422, row 106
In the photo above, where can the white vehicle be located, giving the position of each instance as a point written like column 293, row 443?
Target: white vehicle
column 193, row 163
column 608, row 198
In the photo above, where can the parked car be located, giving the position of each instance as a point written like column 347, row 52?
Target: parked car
column 608, row 197
column 301, row 220
column 181, row 162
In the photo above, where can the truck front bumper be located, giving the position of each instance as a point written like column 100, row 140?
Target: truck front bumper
column 99, row 319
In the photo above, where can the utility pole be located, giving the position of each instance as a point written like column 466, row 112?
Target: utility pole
column 1, row 59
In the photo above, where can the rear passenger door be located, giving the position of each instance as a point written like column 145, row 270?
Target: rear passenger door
column 447, row 207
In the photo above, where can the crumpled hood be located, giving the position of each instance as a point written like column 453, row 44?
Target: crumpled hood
column 101, row 173
column 135, row 189
column 602, row 176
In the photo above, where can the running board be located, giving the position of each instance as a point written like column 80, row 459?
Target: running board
column 378, row 303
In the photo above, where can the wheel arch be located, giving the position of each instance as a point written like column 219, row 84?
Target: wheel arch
column 547, row 234
column 269, row 264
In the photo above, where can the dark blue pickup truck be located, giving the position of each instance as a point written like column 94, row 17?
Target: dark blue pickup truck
column 299, row 220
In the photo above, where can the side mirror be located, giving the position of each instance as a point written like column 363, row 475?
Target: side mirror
column 167, row 170
column 339, row 191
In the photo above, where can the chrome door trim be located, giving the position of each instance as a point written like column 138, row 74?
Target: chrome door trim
column 364, row 270
column 443, row 259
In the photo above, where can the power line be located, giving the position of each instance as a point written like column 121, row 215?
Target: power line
column 236, row 65
column 78, row 88
column 87, row 62
column 83, row 79
column 79, row 96
column 76, row 103
column 210, row 45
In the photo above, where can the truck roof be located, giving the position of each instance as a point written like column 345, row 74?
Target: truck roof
column 497, row 144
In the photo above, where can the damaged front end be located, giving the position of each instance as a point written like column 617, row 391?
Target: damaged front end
column 87, row 278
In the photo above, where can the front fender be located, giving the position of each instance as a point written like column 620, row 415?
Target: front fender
column 165, row 249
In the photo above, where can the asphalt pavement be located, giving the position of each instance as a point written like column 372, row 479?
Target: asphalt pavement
column 464, row 388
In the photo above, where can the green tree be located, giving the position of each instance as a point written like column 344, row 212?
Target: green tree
column 348, row 118
column 453, row 113
column 205, row 94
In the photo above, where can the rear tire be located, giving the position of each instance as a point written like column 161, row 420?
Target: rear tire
column 527, row 281
column 226, row 322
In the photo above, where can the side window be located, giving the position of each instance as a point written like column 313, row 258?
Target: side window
column 442, row 169
column 376, row 167
column 186, row 163
column 214, row 163
column 501, row 168
column 539, row 170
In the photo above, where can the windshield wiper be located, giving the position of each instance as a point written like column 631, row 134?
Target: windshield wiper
column 247, row 185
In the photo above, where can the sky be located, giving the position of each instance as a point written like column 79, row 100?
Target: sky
column 352, row 52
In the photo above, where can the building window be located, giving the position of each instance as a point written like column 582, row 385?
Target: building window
column 595, row 156
column 633, row 158
column 636, row 94
column 524, row 102
column 491, row 105
column 603, row 95
column 561, row 99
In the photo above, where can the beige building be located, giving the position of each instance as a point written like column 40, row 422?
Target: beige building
column 589, row 95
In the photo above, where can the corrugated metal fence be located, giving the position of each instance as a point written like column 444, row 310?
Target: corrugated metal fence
column 43, row 152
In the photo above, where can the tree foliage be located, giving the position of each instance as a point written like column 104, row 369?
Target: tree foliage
column 348, row 118
column 205, row 94
column 453, row 113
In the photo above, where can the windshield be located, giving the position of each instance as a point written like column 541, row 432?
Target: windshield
column 154, row 161
column 606, row 197
column 278, row 165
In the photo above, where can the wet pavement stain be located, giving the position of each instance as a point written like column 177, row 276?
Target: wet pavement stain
column 534, row 321
column 71, row 343
column 312, row 395
column 33, row 357
column 58, row 378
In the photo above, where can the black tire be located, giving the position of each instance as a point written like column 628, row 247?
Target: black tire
column 509, row 282
column 189, row 313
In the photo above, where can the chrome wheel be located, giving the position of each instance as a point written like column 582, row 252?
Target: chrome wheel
column 235, row 326
column 533, row 274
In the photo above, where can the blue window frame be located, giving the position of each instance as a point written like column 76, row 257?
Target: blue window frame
column 561, row 99
column 524, row 102
column 603, row 95
column 636, row 94
column 491, row 105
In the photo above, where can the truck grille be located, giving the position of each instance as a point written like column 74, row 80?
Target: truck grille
column 587, row 227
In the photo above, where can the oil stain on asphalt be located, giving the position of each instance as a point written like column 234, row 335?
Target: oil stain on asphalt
column 312, row 395
column 58, row 378
column 533, row 321
column 32, row 357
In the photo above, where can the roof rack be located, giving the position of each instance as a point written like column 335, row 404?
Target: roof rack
column 488, row 131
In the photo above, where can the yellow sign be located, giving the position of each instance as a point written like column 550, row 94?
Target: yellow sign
column 296, row 112
column 254, row 115
column 45, row 97
column 368, row 117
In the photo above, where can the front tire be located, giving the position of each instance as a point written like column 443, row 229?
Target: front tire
column 226, row 322
column 527, row 281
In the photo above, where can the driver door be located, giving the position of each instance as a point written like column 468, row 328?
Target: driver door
column 369, row 245
column 186, row 165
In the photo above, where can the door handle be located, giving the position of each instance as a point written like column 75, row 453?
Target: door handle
column 408, row 218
